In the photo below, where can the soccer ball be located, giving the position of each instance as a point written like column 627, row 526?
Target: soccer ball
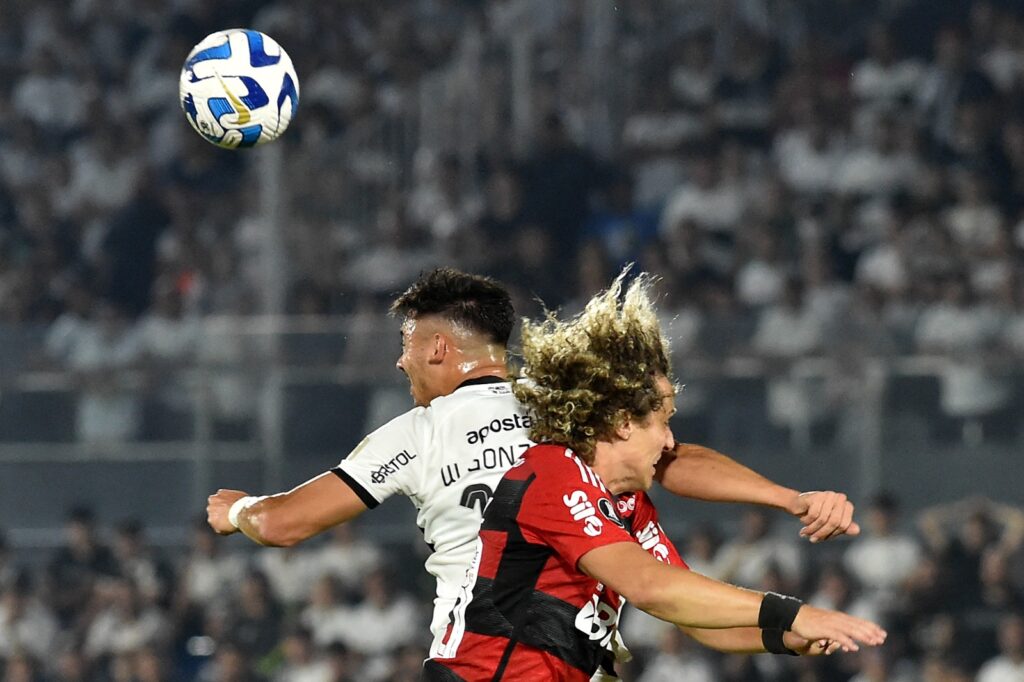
column 238, row 88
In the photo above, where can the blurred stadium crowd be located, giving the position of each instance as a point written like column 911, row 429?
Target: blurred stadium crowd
column 811, row 178
column 109, row 607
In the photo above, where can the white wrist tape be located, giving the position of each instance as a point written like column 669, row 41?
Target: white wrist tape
column 240, row 505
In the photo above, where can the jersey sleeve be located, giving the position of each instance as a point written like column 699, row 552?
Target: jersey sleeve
column 569, row 510
column 385, row 463
column 648, row 532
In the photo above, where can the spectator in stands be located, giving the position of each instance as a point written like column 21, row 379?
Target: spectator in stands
column 140, row 563
column 124, row 623
column 973, row 396
column 747, row 559
column 883, row 558
column 71, row 665
column 705, row 199
column 959, row 533
column 622, row 228
column 208, row 576
column 876, row 165
column 229, row 664
column 22, row 668
column 838, row 590
column 788, row 331
column 1008, row 666
column 384, row 620
column 678, row 657
column 255, row 618
column 560, row 177
column 98, row 352
column 301, row 660
column 808, row 154
column 348, row 556
column 168, row 338
column 77, row 566
column 150, row 665
column 884, row 78
column 291, row 572
column 325, row 615
column 27, row 625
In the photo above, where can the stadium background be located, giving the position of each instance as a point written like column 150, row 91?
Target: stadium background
column 832, row 191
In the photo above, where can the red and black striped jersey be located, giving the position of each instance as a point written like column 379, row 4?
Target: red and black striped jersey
column 527, row 612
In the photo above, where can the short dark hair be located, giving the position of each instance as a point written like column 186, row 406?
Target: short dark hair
column 475, row 301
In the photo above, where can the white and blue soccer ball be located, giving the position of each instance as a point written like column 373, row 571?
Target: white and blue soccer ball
column 238, row 88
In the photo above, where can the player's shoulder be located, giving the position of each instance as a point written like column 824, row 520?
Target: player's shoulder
column 404, row 423
column 560, row 466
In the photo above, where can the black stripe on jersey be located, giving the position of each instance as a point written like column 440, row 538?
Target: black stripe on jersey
column 539, row 620
column 435, row 672
column 359, row 490
column 503, row 508
column 508, row 606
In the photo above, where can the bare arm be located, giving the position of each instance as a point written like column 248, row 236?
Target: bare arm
column 689, row 599
column 748, row 641
column 701, row 473
column 285, row 519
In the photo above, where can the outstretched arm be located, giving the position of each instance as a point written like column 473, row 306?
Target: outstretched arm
column 701, row 473
column 748, row 641
column 689, row 599
column 285, row 519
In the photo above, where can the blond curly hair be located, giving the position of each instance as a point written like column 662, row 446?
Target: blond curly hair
column 584, row 377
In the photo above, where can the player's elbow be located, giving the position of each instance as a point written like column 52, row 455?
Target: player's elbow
column 644, row 590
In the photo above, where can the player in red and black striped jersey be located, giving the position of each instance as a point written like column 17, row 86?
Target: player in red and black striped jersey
column 554, row 622
column 570, row 531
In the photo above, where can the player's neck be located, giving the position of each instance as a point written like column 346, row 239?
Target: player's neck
column 470, row 372
column 484, row 360
column 616, row 478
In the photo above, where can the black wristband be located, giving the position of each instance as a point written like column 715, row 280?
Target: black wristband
column 773, row 644
column 777, row 611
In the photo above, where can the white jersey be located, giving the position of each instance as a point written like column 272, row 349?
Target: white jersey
column 447, row 458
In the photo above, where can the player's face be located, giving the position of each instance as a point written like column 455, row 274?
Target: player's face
column 649, row 438
column 417, row 348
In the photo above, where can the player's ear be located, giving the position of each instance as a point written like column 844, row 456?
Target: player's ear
column 625, row 428
column 439, row 350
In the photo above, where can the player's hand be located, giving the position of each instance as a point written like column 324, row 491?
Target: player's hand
column 842, row 630
column 825, row 514
column 217, row 506
column 809, row 647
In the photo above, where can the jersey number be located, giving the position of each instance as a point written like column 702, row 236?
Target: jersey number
column 477, row 495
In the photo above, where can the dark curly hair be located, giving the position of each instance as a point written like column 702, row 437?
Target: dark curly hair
column 584, row 377
column 476, row 302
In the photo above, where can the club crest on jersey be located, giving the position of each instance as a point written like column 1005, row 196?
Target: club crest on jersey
column 605, row 505
column 582, row 509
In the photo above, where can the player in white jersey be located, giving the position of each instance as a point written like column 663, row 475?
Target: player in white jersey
column 449, row 459
column 448, row 453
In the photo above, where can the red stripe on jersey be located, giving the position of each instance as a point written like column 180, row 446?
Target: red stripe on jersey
column 493, row 548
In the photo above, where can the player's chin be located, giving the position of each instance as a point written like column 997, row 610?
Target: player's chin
column 647, row 480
